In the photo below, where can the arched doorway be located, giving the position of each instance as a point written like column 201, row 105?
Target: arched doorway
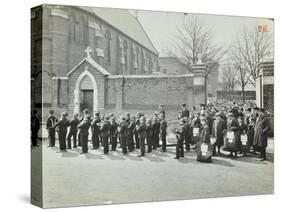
column 85, row 92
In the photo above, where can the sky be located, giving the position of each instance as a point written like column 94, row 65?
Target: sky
column 161, row 27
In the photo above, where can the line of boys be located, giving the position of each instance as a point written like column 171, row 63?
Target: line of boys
column 132, row 132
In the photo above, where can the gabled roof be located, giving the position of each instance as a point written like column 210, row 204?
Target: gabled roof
column 125, row 22
column 93, row 63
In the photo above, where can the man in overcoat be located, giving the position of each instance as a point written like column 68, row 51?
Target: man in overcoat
column 260, row 136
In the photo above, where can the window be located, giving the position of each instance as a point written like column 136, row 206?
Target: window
column 108, row 46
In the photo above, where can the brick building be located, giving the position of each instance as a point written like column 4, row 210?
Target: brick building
column 100, row 59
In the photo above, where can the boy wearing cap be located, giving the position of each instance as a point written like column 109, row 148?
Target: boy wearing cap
column 131, row 131
column 123, row 132
column 180, row 133
column 62, row 125
column 141, row 129
column 73, row 131
column 218, row 129
column 51, row 121
column 96, row 131
column 105, row 133
column 149, row 135
column 35, row 126
column 136, row 133
column 163, row 128
column 84, row 133
column 113, row 133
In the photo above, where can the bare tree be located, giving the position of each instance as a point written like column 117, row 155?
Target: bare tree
column 243, row 75
column 229, row 75
column 193, row 41
column 253, row 46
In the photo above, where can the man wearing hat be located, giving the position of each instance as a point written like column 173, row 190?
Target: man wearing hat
column 219, row 126
column 123, row 132
column 51, row 121
column 184, row 112
column 105, row 133
column 260, row 136
column 84, row 132
column 161, row 110
column 96, row 130
column 141, row 129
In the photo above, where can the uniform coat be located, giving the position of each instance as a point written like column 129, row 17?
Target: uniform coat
column 149, row 137
column 35, row 126
column 163, row 133
column 62, row 131
column 141, row 129
column 105, row 134
column 123, row 132
column 84, row 133
column 51, row 121
column 131, row 131
column 72, row 133
column 96, row 132
column 114, row 135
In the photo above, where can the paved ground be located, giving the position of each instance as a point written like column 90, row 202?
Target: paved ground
column 71, row 179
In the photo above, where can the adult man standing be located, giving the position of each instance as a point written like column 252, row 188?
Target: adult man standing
column 155, row 131
column 62, row 125
column 184, row 112
column 163, row 128
column 73, row 131
column 35, row 126
column 161, row 110
column 51, row 121
column 260, row 136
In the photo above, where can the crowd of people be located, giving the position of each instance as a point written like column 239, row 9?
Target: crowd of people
column 236, row 129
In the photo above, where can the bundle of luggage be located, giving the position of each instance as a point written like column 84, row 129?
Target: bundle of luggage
column 204, row 152
column 231, row 142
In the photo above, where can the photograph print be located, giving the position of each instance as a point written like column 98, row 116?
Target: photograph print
column 132, row 106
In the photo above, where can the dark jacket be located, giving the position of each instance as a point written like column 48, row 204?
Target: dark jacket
column 51, row 121
column 73, row 125
column 141, row 129
column 218, row 131
column 123, row 129
column 105, row 129
column 204, row 136
column 84, row 126
column 163, row 127
column 261, row 130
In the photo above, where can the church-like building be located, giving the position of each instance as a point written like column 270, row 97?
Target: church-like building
column 101, row 59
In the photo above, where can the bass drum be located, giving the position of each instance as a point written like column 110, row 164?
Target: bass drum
column 171, row 131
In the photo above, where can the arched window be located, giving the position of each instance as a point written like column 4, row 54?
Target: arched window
column 125, row 45
column 108, row 46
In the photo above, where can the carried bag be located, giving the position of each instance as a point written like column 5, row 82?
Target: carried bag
column 204, row 152
column 231, row 143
